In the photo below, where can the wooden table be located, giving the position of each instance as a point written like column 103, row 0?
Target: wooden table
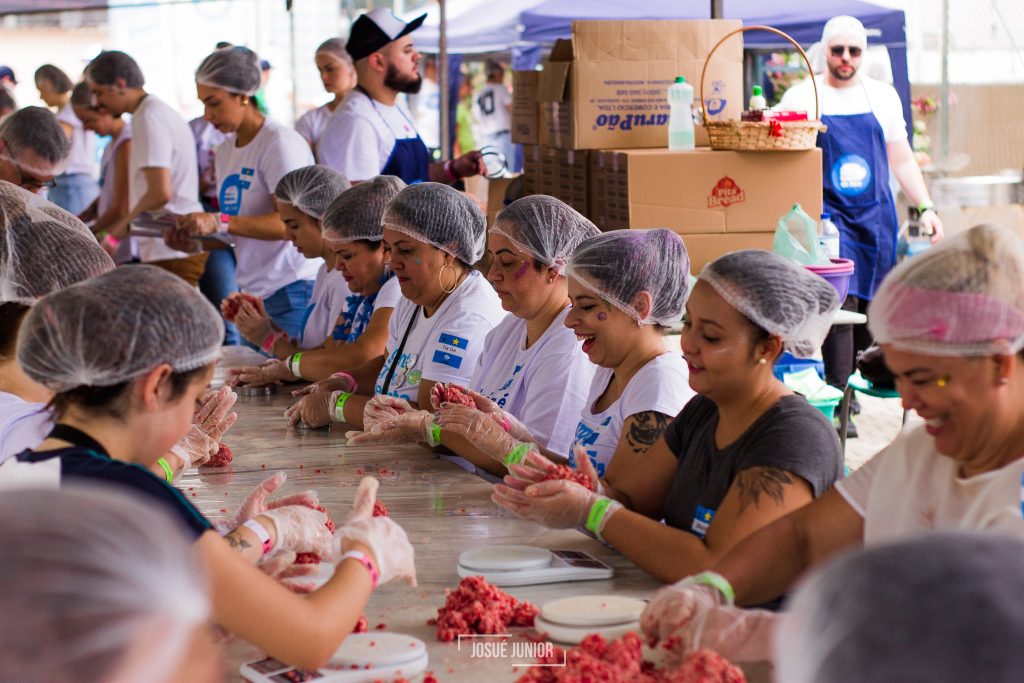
column 444, row 509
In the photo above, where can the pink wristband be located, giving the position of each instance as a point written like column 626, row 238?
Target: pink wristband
column 505, row 423
column 268, row 343
column 355, row 384
column 449, row 172
column 364, row 559
column 112, row 241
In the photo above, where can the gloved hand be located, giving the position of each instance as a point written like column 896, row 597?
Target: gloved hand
column 180, row 239
column 198, row 223
column 414, row 427
column 195, row 448
column 281, row 566
column 739, row 635
column 212, row 414
column 530, row 470
column 479, row 428
column 557, row 503
column 509, row 422
column 678, row 607
column 382, row 408
column 252, row 324
column 256, row 502
column 300, row 529
column 339, row 381
column 268, row 372
column 386, row 539
column 313, row 410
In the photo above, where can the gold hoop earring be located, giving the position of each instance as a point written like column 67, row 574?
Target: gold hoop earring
column 441, row 282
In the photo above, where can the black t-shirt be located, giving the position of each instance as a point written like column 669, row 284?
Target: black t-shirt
column 81, row 463
column 792, row 435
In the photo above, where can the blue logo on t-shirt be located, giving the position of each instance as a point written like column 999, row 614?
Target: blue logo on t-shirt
column 231, row 191
column 585, row 436
column 851, row 175
column 500, row 397
column 702, row 520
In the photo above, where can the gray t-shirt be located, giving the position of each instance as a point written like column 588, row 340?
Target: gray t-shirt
column 792, row 435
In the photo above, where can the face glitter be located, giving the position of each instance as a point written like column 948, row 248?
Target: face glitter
column 602, row 316
column 522, row 270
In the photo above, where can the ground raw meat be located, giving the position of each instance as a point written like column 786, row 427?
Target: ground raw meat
column 362, row 626
column 453, row 393
column 380, row 509
column 221, row 458
column 307, row 558
column 330, row 522
column 621, row 660
column 232, row 305
column 478, row 607
column 566, row 472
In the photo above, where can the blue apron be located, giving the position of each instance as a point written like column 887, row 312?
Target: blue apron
column 856, row 193
column 409, row 159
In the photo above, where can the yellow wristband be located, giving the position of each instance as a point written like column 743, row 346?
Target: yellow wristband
column 435, row 434
column 339, row 406
column 293, row 364
column 516, row 455
column 168, row 472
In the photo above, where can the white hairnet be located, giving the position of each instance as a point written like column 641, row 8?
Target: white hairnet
column 116, row 326
column 336, row 48
column 943, row 608
column 777, row 295
column 235, row 69
column 358, row 213
column 846, row 27
column 43, row 248
column 620, row 265
column 35, row 130
column 544, row 227
column 89, row 575
column 963, row 297
column 311, row 189
column 441, row 216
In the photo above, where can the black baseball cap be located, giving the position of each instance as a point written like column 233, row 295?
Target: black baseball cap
column 375, row 29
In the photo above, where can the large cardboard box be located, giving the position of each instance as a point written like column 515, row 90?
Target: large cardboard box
column 570, row 178
column 702, row 191
column 702, row 248
column 525, row 108
column 608, row 87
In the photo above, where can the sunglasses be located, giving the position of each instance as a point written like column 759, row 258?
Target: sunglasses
column 838, row 50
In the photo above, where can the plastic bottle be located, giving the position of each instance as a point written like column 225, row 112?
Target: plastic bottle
column 829, row 238
column 680, row 121
column 912, row 241
column 757, row 101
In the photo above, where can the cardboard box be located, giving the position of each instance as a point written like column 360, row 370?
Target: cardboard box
column 703, row 248
column 702, row 191
column 525, row 108
column 608, row 87
column 496, row 190
column 570, row 178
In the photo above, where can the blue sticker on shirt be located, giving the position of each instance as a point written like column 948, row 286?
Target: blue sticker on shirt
column 851, row 175
column 231, row 191
column 702, row 520
column 449, row 359
column 452, row 340
column 585, row 436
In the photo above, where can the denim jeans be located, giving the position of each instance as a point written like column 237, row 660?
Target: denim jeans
column 217, row 282
column 73, row 192
column 287, row 307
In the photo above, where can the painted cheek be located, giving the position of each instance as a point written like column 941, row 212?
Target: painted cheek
column 522, row 271
column 602, row 316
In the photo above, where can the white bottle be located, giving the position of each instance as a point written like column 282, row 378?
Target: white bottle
column 757, row 101
column 829, row 238
column 680, row 121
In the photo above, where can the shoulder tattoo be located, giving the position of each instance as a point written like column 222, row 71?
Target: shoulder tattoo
column 646, row 428
column 757, row 481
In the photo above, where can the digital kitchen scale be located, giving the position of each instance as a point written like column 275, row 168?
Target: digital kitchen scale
column 265, row 390
column 523, row 565
column 569, row 620
column 362, row 658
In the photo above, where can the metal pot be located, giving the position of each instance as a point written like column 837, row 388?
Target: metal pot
column 982, row 190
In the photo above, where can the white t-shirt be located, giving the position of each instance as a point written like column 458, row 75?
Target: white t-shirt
column 83, row 143
column 359, row 138
column 445, row 346
column 663, row 385
column 108, row 170
column 311, row 126
column 869, row 96
column 162, row 139
column 490, row 105
column 328, row 301
column 208, row 138
column 248, row 176
column 22, row 424
column 544, row 386
column 908, row 488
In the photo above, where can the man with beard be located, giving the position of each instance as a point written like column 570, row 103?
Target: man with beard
column 866, row 138
column 372, row 133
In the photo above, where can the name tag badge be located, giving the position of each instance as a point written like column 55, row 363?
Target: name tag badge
column 702, row 520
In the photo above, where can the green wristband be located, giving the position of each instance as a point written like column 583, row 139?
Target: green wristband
column 925, row 207
column 435, row 434
column 716, row 581
column 168, row 472
column 597, row 513
column 516, row 455
column 339, row 406
column 293, row 364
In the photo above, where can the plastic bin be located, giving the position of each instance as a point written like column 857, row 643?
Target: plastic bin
column 788, row 363
column 827, row 408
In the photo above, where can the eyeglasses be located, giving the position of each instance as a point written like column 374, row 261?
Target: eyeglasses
column 838, row 50
column 26, row 181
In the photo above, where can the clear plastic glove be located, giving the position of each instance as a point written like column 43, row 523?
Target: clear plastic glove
column 509, row 422
column 739, row 635
column 252, row 324
column 478, row 428
column 213, row 414
column 557, row 504
column 269, row 372
column 675, row 608
column 414, row 427
column 301, row 529
column 256, row 503
column 530, row 470
column 383, row 408
column 282, row 566
column 386, row 539
column 313, row 410
column 339, row 381
column 195, row 448
column 198, row 223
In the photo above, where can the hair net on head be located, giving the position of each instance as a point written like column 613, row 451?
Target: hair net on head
column 91, row 574
column 43, row 248
column 235, row 69
column 441, row 216
column 963, row 297
column 114, row 327
column 35, row 130
column 778, row 296
column 335, row 47
column 620, row 265
column 358, row 213
column 311, row 189
column 943, row 608
column 544, row 227
column 846, row 27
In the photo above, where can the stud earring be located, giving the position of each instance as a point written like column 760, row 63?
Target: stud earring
column 762, row 361
column 1004, row 380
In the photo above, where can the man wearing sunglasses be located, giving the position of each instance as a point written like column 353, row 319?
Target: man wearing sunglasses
column 33, row 148
column 866, row 140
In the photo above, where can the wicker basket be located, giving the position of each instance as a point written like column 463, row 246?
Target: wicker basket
column 762, row 136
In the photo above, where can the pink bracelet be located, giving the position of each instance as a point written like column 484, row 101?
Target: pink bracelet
column 272, row 338
column 448, row 172
column 364, row 559
column 342, row 375
column 505, row 423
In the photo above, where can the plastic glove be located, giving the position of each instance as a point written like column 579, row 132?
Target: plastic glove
column 557, row 504
column 675, row 607
column 213, row 416
column 256, row 502
column 198, row 223
column 314, row 410
column 282, row 566
column 414, row 427
column 253, row 325
column 269, row 372
column 386, row 539
column 382, row 408
column 478, row 428
column 530, row 470
column 339, row 381
column 509, row 422
column 739, row 635
column 195, row 448
column 300, row 529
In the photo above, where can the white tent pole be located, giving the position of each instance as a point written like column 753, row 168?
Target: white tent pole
column 442, row 80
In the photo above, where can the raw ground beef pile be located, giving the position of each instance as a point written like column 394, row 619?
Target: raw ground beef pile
column 621, row 660
column 221, row 458
column 380, row 509
column 313, row 558
column 453, row 393
column 478, row 607
column 566, row 472
column 232, row 305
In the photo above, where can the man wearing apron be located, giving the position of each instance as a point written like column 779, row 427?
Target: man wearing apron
column 371, row 133
column 866, row 137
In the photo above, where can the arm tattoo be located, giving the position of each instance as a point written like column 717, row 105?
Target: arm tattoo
column 754, row 482
column 645, row 429
column 236, row 541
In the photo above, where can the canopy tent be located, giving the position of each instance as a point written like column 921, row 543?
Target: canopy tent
column 473, row 26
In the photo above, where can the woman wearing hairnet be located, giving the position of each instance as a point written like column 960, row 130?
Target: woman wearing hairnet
column 338, row 75
column 740, row 454
column 249, row 166
column 532, row 369
column 951, row 324
column 100, row 588
column 125, row 392
column 434, row 234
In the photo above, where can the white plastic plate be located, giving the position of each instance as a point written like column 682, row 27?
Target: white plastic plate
column 588, row 611
column 505, row 558
column 574, row 635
